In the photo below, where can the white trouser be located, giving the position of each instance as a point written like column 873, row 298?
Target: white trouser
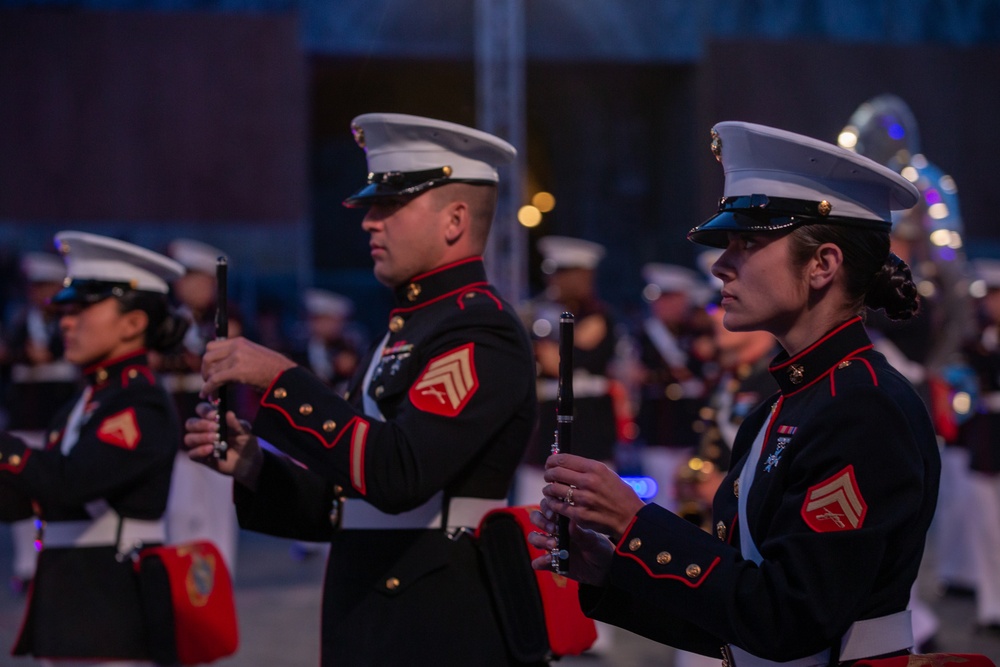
column 925, row 621
column 985, row 492
column 661, row 463
column 23, row 533
column 528, row 485
column 951, row 526
column 201, row 507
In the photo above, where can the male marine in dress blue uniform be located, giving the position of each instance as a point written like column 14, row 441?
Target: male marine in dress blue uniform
column 427, row 441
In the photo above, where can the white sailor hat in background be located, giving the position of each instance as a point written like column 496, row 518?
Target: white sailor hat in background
column 565, row 252
column 410, row 154
column 986, row 276
column 776, row 180
column 43, row 267
column 323, row 302
column 669, row 278
column 194, row 255
column 706, row 260
column 99, row 267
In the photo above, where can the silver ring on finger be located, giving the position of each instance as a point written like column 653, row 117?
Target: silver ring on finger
column 568, row 499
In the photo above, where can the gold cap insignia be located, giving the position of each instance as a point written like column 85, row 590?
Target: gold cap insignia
column 359, row 135
column 716, row 145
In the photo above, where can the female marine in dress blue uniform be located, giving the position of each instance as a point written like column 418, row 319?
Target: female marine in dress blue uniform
column 820, row 525
column 101, row 483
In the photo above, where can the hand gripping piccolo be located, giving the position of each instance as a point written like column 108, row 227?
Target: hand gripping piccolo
column 221, row 333
column 564, row 432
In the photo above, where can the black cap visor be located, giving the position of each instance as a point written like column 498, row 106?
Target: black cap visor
column 404, row 184
column 715, row 231
column 759, row 214
column 89, row 292
column 375, row 192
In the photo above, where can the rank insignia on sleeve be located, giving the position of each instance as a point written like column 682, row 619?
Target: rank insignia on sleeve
column 835, row 504
column 120, row 430
column 447, row 383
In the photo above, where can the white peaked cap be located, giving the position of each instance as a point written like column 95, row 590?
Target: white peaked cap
column 706, row 260
column 672, row 278
column 43, row 267
column 565, row 252
column 403, row 150
column 818, row 181
column 323, row 302
column 194, row 255
column 93, row 257
column 761, row 159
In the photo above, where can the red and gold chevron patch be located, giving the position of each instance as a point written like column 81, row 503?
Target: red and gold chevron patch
column 835, row 504
column 120, row 430
column 447, row 383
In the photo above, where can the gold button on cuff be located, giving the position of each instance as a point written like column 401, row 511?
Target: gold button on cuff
column 15, row 460
column 101, row 375
column 53, row 436
column 392, row 583
column 693, row 571
column 663, row 557
column 329, row 426
column 396, row 324
column 634, row 544
column 133, row 374
column 280, row 393
column 305, row 409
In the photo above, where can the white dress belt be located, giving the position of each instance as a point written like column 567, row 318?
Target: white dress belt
column 55, row 371
column 864, row 639
column 182, row 383
column 357, row 514
column 103, row 531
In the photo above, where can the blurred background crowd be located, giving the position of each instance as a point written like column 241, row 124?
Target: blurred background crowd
column 215, row 128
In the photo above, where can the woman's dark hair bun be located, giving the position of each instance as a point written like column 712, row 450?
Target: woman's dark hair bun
column 893, row 290
column 166, row 325
column 169, row 334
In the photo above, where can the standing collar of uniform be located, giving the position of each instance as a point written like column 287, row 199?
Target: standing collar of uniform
column 100, row 373
column 807, row 367
column 438, row 283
